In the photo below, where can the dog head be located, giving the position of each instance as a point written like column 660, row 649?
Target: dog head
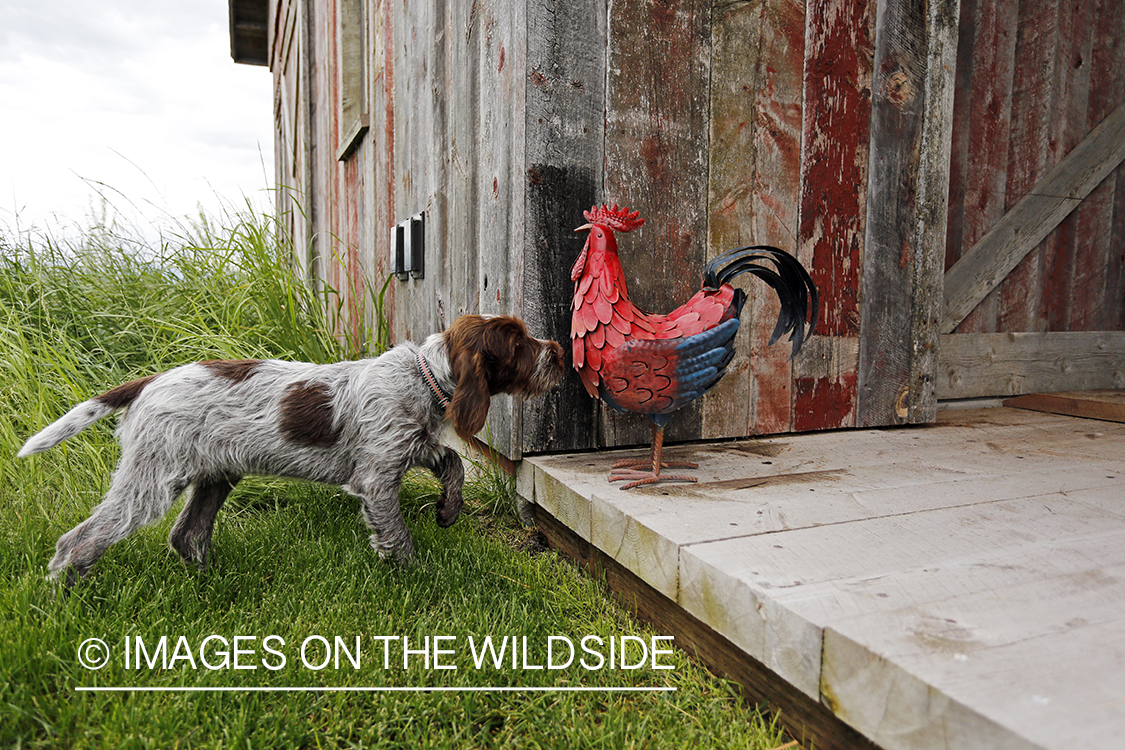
column 495, row 354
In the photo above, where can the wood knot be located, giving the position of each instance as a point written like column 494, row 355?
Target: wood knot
column 898, row 89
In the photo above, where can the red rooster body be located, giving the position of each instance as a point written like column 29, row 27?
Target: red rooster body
column 651, row 364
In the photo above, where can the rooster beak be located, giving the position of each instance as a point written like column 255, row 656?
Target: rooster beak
column 584, row 228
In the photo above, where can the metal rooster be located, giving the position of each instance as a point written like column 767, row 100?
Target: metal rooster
column 654, row 364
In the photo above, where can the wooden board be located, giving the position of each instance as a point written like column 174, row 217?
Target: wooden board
column 757, row 58
column 656, row 149
column 565, row 145
column 1094, row 265
column 1108, row 404
column 954, row 585
column 1034, row 78
column 911, row 126
column 839, row 44
column 1009, row 364
column 811, row 723
column 502, row 185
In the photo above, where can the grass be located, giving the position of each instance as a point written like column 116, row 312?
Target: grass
column 289, row 560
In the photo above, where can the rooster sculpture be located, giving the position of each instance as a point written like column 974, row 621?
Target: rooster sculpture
column 652, row 364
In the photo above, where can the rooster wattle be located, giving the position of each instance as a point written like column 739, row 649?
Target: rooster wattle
column 653, row 364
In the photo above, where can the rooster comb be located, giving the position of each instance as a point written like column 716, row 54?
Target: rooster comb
column 617, row 219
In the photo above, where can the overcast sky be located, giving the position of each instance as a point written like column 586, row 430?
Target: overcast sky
column 137, row 99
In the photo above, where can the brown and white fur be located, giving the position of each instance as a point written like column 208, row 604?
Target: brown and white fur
column 361, row 425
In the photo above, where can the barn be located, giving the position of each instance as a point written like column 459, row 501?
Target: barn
column 950, row 172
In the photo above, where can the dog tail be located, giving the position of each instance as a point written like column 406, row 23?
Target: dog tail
column 84, row 415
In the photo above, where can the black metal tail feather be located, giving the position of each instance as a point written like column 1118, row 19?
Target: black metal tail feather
column 785, row 275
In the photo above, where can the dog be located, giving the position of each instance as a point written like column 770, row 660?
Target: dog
column 199, row 428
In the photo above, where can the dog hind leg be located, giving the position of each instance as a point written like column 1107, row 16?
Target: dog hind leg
column 191, row 534
column 134, row 499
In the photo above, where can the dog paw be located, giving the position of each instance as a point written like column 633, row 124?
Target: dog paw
column 398, row 553
column 63, row 581
column 449, row 509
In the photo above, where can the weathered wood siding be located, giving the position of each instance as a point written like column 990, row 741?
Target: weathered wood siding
column 565, row 171
column 754, row 181
column 724, row 124
column 320, row 183
column 838, row 59
column 1033, row 80
column 656, row 149
column 1038, row 136
column 878, row 141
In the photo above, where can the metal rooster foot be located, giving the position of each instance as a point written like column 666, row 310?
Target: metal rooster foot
column 622, row 472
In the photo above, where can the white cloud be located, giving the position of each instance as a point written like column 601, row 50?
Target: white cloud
column 136, row 99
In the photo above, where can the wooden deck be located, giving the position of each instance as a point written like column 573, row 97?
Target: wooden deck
column 960, row 585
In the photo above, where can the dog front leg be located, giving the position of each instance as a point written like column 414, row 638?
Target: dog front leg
column 378, row 496
column 448, row 468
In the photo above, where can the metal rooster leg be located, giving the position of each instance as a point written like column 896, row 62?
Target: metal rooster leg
column 654, row 364
column 621, row 472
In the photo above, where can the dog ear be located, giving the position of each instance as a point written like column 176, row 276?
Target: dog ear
column 469, row 407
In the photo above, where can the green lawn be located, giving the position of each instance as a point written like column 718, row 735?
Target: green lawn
column 291, row 566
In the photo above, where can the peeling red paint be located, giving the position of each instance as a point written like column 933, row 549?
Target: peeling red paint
column 824, row 403
column 834, row 171
column 839, row 58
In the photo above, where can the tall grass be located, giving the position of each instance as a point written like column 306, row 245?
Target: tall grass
column 288, row 559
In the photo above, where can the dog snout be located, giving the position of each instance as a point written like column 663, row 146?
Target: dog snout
column 550, row 365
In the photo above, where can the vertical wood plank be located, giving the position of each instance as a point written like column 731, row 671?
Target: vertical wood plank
column 353, row 268
column 430, row 143
column 1068, row 128
column 420, row 145
column 656, row 146
column 1031, row 152
column 989, row 114
column 911, row 125
column 564, row 74
column 325, row 173
column 1110, row 58
column 288, row 73
column 757, row 56
column 967, row 31
column 462, row 76
column 1115, row 276
column 322, row 145
column 403, row 29
column 381, row 174
column 834, row 154
column 501, row 144
column 346, row 269
column 1095, row 291
column 309, row 185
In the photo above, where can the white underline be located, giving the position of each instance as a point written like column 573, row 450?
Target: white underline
column 112, row 689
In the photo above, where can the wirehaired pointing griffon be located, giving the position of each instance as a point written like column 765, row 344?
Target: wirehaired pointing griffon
column 200, row 427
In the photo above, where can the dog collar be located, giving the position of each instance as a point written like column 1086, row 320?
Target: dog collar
column 442, row 396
